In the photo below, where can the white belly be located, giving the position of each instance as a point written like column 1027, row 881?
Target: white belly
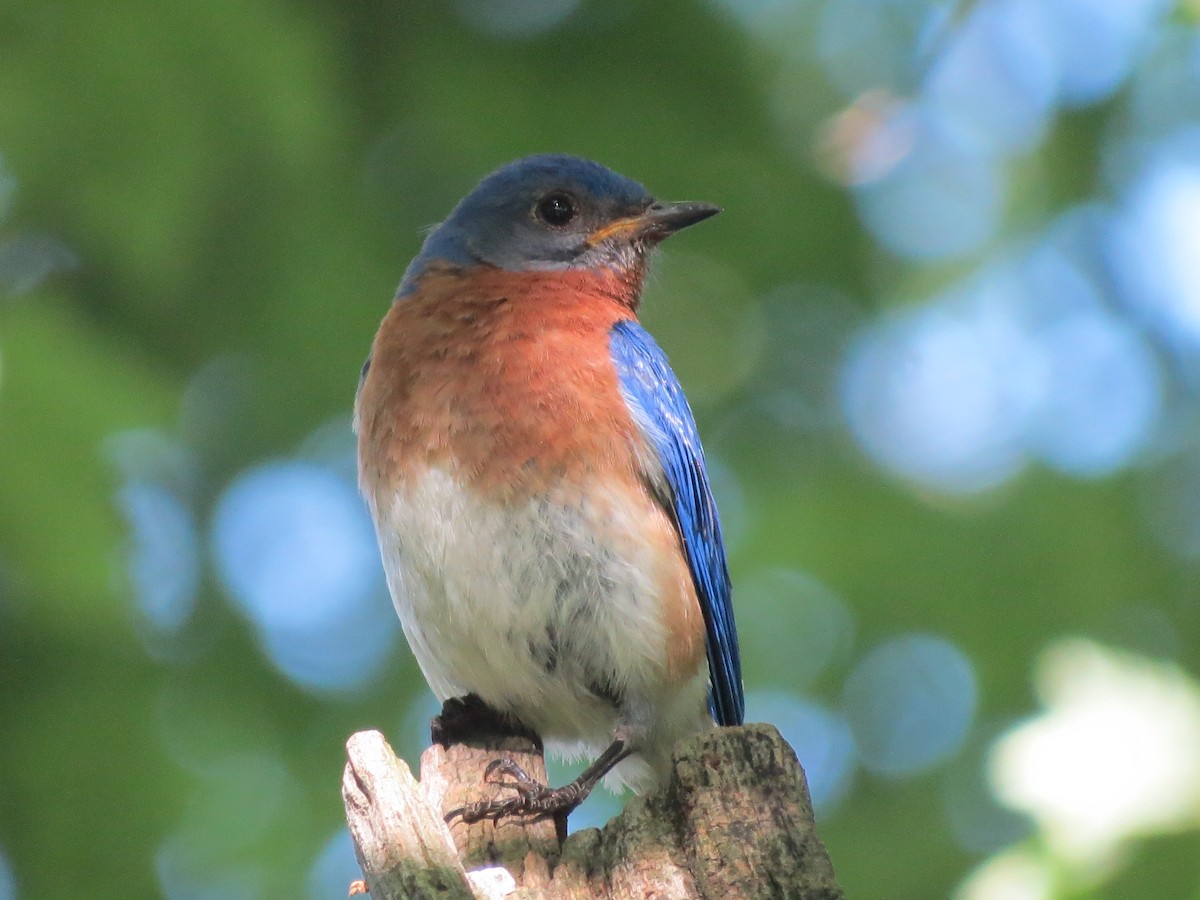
column 544, row 610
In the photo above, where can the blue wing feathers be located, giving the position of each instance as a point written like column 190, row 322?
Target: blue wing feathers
column 662, row 412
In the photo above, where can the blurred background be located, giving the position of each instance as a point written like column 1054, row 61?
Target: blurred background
column 943, row 347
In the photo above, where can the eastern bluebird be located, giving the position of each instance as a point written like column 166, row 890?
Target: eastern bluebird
column 537, row 482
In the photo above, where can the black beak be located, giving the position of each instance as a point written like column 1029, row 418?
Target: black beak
column 657, row 221
column 663, row 219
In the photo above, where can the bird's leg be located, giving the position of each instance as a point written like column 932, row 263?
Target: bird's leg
column 538, row 800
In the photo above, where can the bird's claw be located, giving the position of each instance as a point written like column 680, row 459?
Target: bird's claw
column 506, row 773
column 533, row 800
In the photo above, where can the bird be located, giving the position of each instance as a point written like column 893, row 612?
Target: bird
column 537, row 483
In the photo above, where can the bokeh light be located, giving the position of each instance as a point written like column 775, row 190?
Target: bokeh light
column 1157, row 250
column 1017, row 874
column 8, row 881
column 159, row 480
column 1116, row 754
column 296, row 549
column 864, row 44
column 940, row 200
column 940, row 394
column 910, row 702
column 1103, row 395
column 29, row 259
column 1025, row 361
column 1094, row 44
column 993, row 86
column 786, row 601
column 164, row 562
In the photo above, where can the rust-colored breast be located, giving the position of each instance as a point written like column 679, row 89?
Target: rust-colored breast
column 504, row 378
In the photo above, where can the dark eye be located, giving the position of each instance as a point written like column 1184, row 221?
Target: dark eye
column 556, row 209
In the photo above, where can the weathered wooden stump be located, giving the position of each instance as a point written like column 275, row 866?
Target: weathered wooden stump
column 735, row 821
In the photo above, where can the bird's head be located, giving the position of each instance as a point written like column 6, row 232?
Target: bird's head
column 555, row 212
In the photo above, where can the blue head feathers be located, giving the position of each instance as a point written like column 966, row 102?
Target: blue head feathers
column 552, row 211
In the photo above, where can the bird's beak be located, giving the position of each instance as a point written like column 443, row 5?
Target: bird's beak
column 659, row 220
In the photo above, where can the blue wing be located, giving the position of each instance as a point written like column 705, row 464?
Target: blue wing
column 662, row 413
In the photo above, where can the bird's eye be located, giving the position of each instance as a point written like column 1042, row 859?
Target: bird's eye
column 556, row 209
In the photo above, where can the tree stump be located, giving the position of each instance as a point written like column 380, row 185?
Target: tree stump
column 735, row 821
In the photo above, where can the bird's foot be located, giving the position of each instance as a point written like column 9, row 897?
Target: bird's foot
column 533, row 799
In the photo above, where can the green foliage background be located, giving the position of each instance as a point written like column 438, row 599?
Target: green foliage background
column 244, row 182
